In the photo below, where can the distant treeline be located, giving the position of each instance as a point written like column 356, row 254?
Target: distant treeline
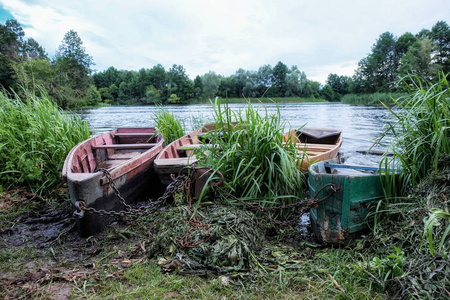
column 69, row 80
column 156, row 85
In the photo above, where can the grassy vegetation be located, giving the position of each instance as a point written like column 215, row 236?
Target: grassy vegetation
column 420, row 132
column 251, row 156
column 35, row 137
column 167, row 124
column 263, row 100
column 405, row 256
column 372, row 99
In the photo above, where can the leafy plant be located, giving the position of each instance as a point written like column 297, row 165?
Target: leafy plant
column 420, row 133
column 247, row 147
column 433, row 220
column 167, row 124
column 35, row 138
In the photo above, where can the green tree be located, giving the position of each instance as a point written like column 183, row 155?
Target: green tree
column 404, row 42
column 105, row 94
column 198, row 86
column 72, row 48
column 264, row 81
column 293, row 86
column 179, row 83
column 11, row 38
column 440, row 34
column 93, row 98
column 279, row 75
column 418, row 60
column 34, row 74
column 153, row 95
column 72, row 69
column 228, row 87
column 32, row 50
column 114, row 90
column 378, row 70
column 328, row 92
column 211, row 83
column 124, row 94
column 339, row 85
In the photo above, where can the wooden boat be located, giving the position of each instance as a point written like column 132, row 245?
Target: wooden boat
column 343, row 216
column 180, row 153
column 315, row 144
column 127, row 154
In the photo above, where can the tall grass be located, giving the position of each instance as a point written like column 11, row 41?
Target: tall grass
column 167, row 124
column 35, row 137
column 250, row 153
column 420, row 132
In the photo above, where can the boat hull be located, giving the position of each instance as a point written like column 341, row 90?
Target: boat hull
column 343, row 216
column 325, row 145
column 130, row 168
column 180, row 153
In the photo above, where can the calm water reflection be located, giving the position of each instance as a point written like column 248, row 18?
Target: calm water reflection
column 360, row 124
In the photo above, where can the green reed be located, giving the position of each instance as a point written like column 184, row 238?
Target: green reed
column 247, row 148
column 35, row 137
column 420, row 131
column 167, row 124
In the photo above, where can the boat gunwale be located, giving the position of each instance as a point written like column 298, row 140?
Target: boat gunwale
column 117, row 170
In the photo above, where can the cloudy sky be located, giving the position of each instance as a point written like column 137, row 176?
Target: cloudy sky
column 320, row 37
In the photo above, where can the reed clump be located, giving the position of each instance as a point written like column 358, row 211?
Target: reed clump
column 414, row 217
column 168, row 125
column 247, row 147
column 35, row 138
column 420, row 132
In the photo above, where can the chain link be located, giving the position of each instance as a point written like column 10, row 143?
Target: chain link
column 175, row 187
column 182, row 184
column 307, row 204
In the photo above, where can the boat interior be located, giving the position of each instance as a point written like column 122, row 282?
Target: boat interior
column 113, row 148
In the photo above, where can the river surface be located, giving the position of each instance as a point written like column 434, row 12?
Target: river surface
column 359, row 124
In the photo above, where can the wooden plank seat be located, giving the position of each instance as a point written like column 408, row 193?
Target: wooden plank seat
column 134, row 134
column 125, row 146
column 174, row 165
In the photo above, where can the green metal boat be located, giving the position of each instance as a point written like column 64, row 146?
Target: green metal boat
column 343, row 216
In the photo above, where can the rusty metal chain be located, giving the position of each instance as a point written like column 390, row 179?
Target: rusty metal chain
column 185, row 241
column 182, row 184
column 175, row 187
column 307, row 204
column 114, row 187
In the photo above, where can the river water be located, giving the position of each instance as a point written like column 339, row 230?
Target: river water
column 359, row 124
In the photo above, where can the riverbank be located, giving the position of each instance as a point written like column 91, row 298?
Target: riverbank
column 43, row 257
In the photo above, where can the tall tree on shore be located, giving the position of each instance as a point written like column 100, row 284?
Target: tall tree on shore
column 440, row 33
column 279, row 74
column 378, row 69
column 211, row 83
column 73, row 67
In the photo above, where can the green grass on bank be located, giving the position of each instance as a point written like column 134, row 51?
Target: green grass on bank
column 262, row 100
column 35, row 138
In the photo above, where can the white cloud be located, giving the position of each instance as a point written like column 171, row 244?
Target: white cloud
column 320, row 37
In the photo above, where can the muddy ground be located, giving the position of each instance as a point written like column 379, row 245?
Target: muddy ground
column 42, row 255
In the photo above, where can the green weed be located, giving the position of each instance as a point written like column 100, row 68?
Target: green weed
column 247, row 147
column 167, row 124
column 35, row 137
